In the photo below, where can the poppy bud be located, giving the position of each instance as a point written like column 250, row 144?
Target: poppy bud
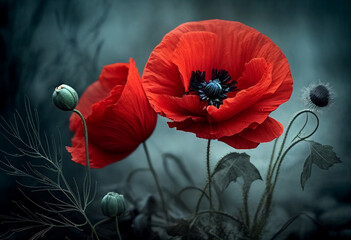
column 65, row 97
column 317, row 96
column 112, row 204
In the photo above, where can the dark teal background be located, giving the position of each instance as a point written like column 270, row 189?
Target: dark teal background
column 46, row 43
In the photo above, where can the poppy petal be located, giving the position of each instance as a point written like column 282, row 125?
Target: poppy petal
column 195, row 52
column 114, row 74
column 94, row 93
column 270, row 102
column 265, row 132
column 179, row 109
column 238, row 142
column 215, row 130
column 258, row 73
column 77, row 152
column 260, row 68
column 105, row 124
column 118, row 120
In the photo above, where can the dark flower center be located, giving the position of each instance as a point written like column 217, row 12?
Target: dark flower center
column 320, row 96
column 214, row 91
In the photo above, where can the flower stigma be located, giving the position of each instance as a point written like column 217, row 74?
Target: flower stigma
column 215, row 90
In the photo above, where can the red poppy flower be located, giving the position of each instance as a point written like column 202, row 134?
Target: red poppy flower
column 117, row 114
column 220, row 80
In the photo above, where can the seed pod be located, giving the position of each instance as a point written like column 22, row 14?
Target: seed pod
column 318, row 96
column 112, row 204
column 65, row 97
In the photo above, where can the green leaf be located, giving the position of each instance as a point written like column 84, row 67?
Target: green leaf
column 232, row 166
column 321, row 155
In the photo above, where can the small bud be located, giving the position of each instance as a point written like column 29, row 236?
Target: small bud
column 112, row 204
column 65, row 97
column 318, row 96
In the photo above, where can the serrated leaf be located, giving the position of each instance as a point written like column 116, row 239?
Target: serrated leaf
column 321, row 155
column 232, row 166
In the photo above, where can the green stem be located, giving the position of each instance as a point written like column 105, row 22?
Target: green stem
column 268, row 183
column 117, row 228
column 294, row 143
column 91, row 226
column 101, row 222
column 156, row 180
column 85, row 139
column 87, row 180
column 200, row 198
column 292, row 219
column 218, row 213
column 209, row 179
column 267, row 196
column 88, row 184
column 246, row 206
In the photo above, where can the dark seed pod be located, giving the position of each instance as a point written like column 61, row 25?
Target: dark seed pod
column 320, row 96
column 65, row 97
column 112, row 204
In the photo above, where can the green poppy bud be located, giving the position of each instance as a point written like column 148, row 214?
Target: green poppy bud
column 65, row 97
column 112, row 204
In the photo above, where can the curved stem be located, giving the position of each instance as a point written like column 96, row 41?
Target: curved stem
column 218, row 213
column 294, row 143
column 288, row 129
column 209, row 179
column 117, row 228
column 267, row 196
column 87, row 179
column 200, row 198
column 85, row 139
column 268, row 177
column 156, row 179
column 271, row 160
column 91, row 226
column 292, row 219
column 87, row 184
column 193, row 188
column 101, row 222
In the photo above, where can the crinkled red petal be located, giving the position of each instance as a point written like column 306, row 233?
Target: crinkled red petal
column 118, row 123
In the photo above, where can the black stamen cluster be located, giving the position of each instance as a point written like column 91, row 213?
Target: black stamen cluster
column 214, row 91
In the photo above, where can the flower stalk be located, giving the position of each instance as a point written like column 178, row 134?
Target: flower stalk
column 117, row 228
column 88, row 177
column 209, row 179
column 85, row 140
column 264, row 206
column 154, row 174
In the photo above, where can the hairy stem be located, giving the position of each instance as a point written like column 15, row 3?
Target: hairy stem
column 261, row 215
column 246, row 206
column 209, row 179
column 156, row 180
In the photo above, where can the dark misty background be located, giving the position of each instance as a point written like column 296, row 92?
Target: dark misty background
column 44, row 43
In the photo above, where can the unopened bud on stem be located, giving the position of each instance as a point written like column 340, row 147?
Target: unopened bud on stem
column 112, row 204
column 65, row 97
